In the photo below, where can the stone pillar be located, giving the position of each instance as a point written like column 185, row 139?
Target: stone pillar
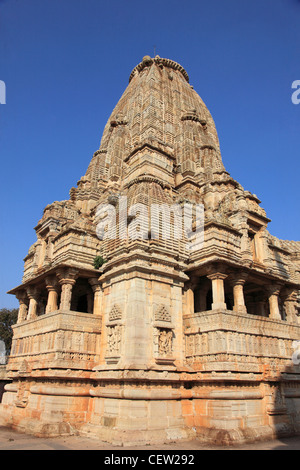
column 66, row 293
column 67, row 278
column 97, row 308
column 23, row 308
column 218, row 293
column 273, row 293
column 238, row 282
column 33, row 303
column 52, row 287
column 204, row 288
column 189, row 295
column 289, row 297
column 261, row 306
column 189, row 300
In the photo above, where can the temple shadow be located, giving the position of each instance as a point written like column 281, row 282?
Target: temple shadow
column 284, row 410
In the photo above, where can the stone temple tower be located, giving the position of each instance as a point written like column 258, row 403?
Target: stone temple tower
column 162, row 341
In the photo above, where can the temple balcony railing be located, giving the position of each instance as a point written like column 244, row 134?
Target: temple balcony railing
column 239, row 341
column 60, row 339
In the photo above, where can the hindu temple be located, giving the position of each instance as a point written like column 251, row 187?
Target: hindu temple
column 145, row 339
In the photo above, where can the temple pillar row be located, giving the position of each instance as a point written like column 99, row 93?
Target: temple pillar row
column 282, row 301
column 59, row 288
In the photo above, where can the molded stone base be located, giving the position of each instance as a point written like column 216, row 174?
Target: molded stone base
column 126, row 438
column 227, row 437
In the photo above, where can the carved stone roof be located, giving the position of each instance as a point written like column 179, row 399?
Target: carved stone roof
column 160, row 109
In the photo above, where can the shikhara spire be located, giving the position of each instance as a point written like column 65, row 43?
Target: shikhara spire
column 159, row 109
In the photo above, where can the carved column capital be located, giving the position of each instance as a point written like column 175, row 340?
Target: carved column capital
column 51, row 283
column 95, row 284
column 273, row 289
column 32, row 292
column 289, row 294
column 217, row 275
column 216, row 271
column 67, row 275
column 238, row 278
column 22, row 295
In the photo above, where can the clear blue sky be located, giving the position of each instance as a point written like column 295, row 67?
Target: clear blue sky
column 66, row 63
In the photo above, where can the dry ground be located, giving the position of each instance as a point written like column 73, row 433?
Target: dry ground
column 11, row 440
